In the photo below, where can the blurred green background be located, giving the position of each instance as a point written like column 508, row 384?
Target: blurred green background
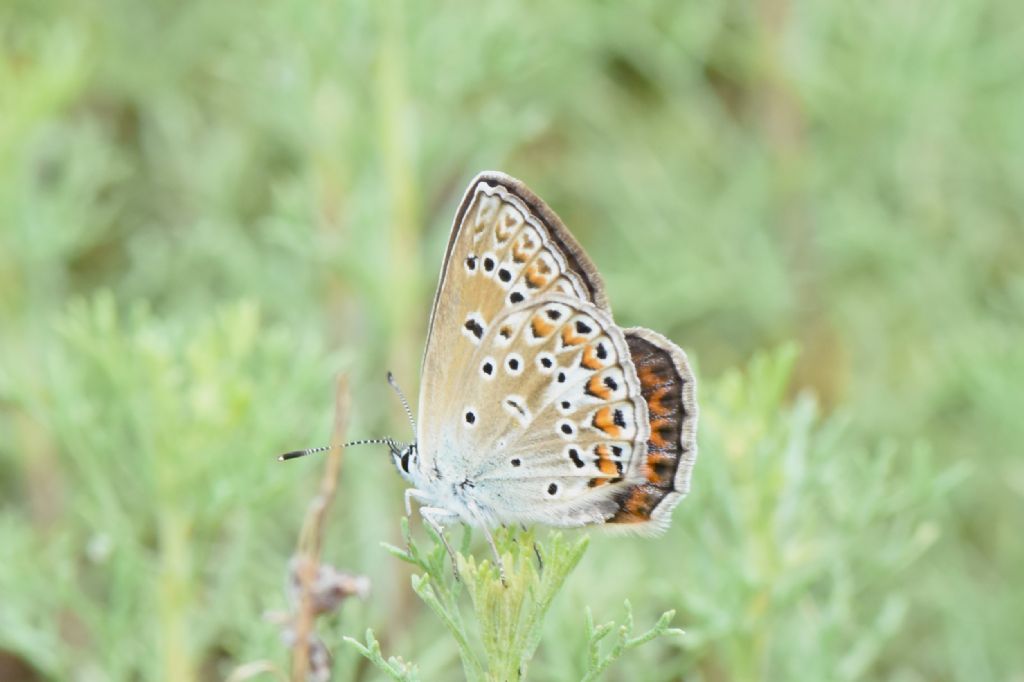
column 210, row 209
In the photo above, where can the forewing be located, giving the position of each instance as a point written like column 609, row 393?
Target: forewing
column 507, row 248
column 549, row 421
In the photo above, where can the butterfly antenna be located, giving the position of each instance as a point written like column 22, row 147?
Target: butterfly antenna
column 295, row 454
column 390, row 442
column 405, row 403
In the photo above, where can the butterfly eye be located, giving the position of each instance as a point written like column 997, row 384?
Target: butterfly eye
column 566, row 428
column 471, row 263
column 574, row 455
column 516, row 297
column 505, row 275
column 516, row 461
column 553, row 489
column 489, row 264
column 488, row 368
column 470, row 417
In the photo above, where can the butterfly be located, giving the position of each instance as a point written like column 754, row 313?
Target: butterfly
column 534, row 406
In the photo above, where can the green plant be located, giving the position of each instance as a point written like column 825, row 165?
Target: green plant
column 845, row 176
column 164, row 439
column 500, row 637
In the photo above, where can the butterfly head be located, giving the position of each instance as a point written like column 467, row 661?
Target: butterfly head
column 406, row 458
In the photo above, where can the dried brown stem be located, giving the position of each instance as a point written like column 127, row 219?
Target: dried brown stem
column 307, row 554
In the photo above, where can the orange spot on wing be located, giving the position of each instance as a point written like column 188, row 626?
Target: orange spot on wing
column 638, row 506
column 654, row 404
column 503, row 230
column 604, row 461
column 659, row 468
column 604, row 420
column 596, row 388
column 606, row 466
column 569, row 338
column 522, row 249
column 657, row 439
column 534, row 277
column 480, row 226
column 590, row 360
column 540, row 327
column 649, row 378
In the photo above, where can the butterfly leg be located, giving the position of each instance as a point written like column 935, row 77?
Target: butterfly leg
column 497, row 557
column 435, row 518
column 414, row 494
column 490, row 541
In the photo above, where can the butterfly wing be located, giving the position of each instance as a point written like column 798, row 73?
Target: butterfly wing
column 506, row 247
column 524, row 348
column 669, row 390
column 550, row 423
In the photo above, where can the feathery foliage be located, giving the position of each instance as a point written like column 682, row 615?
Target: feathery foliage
column 209, row 209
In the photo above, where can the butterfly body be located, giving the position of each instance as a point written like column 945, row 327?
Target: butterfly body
column 534, row 406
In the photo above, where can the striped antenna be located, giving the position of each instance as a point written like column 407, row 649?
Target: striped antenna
column 405, row 403
column 295, row 454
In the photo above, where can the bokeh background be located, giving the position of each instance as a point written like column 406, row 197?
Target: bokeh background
column 209, row 209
